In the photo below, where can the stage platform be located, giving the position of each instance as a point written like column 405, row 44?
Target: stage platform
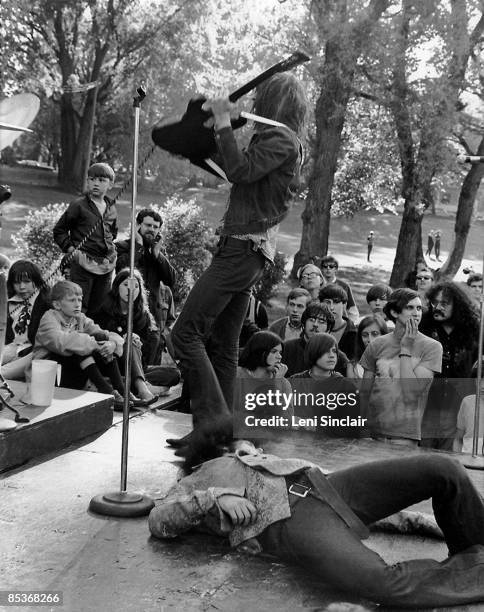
column 72, row 416
column 50, row 541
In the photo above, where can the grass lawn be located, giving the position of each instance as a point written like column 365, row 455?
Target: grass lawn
column 33, row 189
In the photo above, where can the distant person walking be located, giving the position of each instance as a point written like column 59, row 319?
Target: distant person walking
column 370, row 239
column 430, row 243
column 437, row 245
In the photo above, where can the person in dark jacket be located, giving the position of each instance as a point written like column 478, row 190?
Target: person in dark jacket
column 344, row 330
column 157, row 272
column 86, row 232
column 264, row 178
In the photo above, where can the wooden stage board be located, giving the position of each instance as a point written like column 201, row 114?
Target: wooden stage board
column 72, row 416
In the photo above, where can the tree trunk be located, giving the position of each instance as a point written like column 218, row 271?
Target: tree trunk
column 68, row 142
column 409, row 238
column 465, row 209
column 330, row 110
column 342, row 51
column 82, row 158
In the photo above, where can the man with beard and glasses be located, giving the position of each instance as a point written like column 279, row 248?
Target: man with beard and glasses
column 453, row 320
column 157, row 272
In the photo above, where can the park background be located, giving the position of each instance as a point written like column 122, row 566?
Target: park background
column 395, row 91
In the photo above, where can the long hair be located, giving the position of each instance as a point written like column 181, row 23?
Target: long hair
column 140, row 304
column 363, row 324
column 255, row 352
column 318, row 345
column 465, row 315
column 25, row 270
column 282, row 98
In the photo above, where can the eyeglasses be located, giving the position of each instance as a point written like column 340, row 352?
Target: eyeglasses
column 318, row 319
column 424, row 278
column 310, row 275
column 443, row 303
column 330, row 266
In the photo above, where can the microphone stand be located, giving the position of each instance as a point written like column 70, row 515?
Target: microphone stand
column 123, row 503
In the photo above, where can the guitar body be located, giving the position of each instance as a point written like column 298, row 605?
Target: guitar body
column 189, row 138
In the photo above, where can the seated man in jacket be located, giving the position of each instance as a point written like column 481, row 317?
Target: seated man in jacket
column 288, row 508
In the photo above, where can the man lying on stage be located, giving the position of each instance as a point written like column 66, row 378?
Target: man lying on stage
column 288, row 508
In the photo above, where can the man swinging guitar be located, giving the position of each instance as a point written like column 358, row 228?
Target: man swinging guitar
column 264, row 178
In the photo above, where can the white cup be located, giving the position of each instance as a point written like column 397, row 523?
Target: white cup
column 44, row 372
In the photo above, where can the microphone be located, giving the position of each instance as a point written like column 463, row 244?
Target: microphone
column 470, row 159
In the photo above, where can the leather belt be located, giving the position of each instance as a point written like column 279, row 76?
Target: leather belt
column 313, row 482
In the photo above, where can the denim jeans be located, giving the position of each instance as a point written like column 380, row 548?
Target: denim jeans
column 205, row 335
column 319, row 540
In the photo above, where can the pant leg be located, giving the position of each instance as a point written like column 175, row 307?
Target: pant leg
column 377, row 489
column 100, row 286
column 233, row 271
column 72, row 375
column 316, row 538
column 85, row 281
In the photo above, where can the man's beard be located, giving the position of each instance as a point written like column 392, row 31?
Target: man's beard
column 148, row 240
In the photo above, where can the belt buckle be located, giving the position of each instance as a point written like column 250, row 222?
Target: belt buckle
column 305, row 489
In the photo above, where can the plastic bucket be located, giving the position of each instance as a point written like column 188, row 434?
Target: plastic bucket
column 44, row 372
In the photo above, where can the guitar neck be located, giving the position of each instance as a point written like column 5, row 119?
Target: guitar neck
column 290, row 62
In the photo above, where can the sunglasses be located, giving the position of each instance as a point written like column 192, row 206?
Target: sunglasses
column 424, row 278
column 330, row 266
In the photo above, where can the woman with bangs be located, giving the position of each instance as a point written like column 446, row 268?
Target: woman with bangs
column 28, row 300
column 324, row 392
column 261, row 370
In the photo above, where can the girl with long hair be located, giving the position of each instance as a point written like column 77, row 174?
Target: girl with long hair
column 325, row 391
column 113, row 316
column 28, row 300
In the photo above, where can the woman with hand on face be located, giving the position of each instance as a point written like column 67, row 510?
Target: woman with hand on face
column 261, row 360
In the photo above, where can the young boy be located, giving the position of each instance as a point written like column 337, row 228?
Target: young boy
column 90, row 223
column 84, row 350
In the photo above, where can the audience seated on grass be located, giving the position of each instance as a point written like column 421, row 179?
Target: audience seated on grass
column 326, row 402
column 28, row 299
column 113, row 316
column 290, row 326
column 84, row 350
column 317, row 318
